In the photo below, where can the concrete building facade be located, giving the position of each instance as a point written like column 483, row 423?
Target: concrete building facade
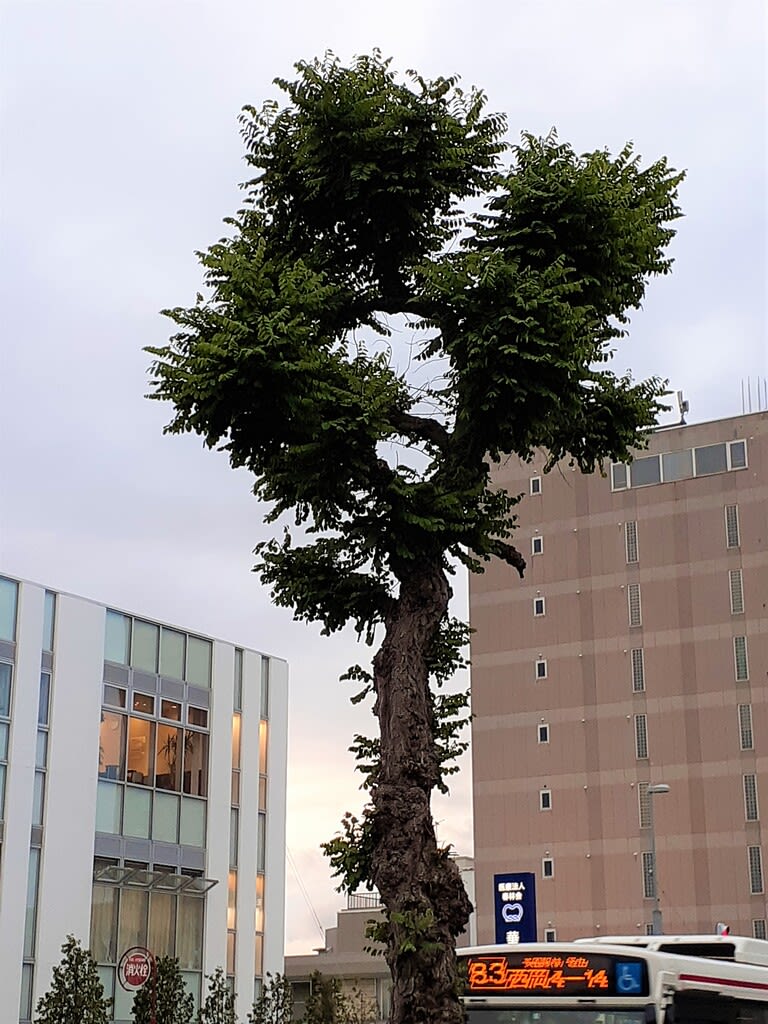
column 634, row 654
column 142, row 797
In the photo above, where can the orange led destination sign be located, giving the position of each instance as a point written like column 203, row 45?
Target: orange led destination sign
column 556, row 974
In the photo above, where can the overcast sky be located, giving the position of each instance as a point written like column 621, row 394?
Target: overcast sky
column 121, row 156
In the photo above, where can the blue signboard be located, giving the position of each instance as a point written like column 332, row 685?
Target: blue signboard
column 514, row 902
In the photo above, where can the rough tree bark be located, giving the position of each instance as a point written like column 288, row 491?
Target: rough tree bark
column 419, row 884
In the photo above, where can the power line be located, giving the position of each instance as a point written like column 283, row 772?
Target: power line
column 304, row 893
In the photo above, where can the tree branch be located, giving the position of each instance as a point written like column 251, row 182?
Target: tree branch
column 421, row 427
column 509, row 554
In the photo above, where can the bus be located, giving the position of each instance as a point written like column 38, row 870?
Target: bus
column 618, row 981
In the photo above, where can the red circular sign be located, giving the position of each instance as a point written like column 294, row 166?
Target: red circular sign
column 135, row 968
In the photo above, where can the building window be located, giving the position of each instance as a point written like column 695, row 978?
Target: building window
column 750, row 798
column 49, row 616
column 679, row 465
column 634, row 606
column 535, row 485
column 755, row 857
column 740, row 658
column 547, row 868
column 265, row 678
column 537, row 545
column 545, row 800
column 619, row 476
column 758, row 928
column 630, row 541
column 645, row 471
column 736, row 587
column 550, row 935
column 746, row 739
column 544, row 733
column 638, row 670
column 641, row 736
column 649, row 876
column 238, row 698
column 539, row 606
column 541, row 669
column 644, row 805
column 732, row 538
column 8, row 599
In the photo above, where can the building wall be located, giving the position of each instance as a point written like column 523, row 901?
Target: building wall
column 587, row 699
column 58, row 748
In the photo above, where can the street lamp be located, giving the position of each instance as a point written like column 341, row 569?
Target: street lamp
column 656, row 924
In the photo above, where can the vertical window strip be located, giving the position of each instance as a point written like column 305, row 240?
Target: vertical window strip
column 630, row 541
column 644, row 805
column 755, row 856
column 649, row 875
column 49, row 620
column 751, row 812
column 746, row 739
column 634, row 605
column 741, row 664
column 238, row 700
column 265, row 683
column 758, row 928
column 736, row 587
column 641, row 736
column 732, row 538
column 638, row 670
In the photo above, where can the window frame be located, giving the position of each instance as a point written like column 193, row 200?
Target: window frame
column 545, row 727
column 637, row 669
column 539, row 607
column 739, row 675
column 736, row 591
column 732, row 528
column 537, row 539
column 751, row 802
column 547, row 867
column 633, row 589
column 755, row 870
column 641, row 741
column 631, row 542
column 541, row 663
column 535, row 485
column 746, row 728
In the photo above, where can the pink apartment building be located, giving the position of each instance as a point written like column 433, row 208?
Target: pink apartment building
column 633, row 654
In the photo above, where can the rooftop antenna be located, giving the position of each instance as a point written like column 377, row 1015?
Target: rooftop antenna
column 683, row 406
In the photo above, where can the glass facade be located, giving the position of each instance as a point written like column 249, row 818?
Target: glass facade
column 679, row 465
column 157, row 649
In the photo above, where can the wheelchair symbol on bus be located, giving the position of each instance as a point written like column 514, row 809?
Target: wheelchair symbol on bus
column 629, row 978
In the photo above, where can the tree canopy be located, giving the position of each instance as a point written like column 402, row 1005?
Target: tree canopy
column 379, row 203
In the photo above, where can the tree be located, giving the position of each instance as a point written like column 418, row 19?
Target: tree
column 329, row 1003
column 219, row 1004
column 352, row 227
column 173, row 1004
column 326, row 1003
column 275, row 1003
column 76, row 995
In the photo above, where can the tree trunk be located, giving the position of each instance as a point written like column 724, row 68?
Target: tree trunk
column 421, row 888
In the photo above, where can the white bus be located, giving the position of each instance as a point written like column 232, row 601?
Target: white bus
column 618, row 981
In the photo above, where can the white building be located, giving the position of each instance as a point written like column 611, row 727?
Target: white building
column 142, row 797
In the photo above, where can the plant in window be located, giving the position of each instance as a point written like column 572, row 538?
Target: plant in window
column 166, row 1000
column 76, row 995
column 275, row 1004
column 351, row 226
column 219, row 1004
